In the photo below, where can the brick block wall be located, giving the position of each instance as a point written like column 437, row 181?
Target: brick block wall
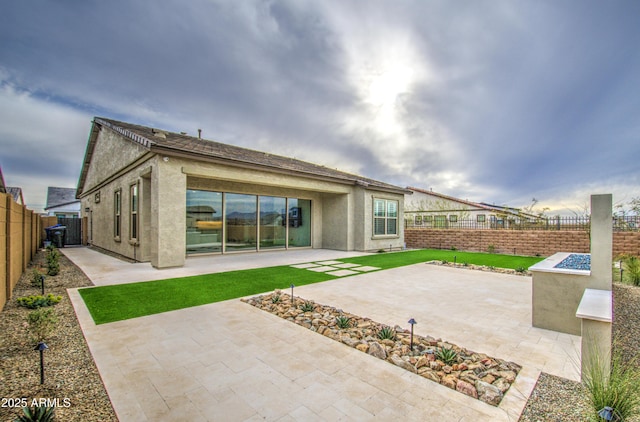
column 520, row 242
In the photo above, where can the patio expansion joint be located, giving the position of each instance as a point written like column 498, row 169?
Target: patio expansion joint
column 336, row 268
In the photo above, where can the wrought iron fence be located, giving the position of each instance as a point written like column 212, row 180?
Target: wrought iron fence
column 626, row 223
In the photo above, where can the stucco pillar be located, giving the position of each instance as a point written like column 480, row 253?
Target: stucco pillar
column 168, row 211
column 601, row 241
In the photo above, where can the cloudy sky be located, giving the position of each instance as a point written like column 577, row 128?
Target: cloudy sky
column 486, row 100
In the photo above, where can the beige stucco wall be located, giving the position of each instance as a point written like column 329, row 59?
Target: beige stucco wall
column 371, row 242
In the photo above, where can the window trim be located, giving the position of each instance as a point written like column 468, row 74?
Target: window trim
column 385, row 218
column 134, row 206
column 117, row 214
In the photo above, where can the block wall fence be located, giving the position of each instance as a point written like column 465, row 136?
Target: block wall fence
column 20, row 235
column 519, row 242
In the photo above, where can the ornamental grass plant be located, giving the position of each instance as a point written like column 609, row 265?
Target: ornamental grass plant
column 618, row 388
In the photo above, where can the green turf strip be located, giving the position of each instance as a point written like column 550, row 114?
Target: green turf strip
column 125, row 301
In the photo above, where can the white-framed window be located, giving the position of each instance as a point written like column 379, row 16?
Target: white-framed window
column 481, row 218
column 117, row 213
column 133, row 207
column 453, row 219
column 385, row 217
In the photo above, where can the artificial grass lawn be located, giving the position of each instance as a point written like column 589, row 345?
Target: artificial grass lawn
column 125, row 301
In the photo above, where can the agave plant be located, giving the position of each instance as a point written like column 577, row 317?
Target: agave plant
column 447, row 355
column 37, row 414
column 276, row 298
column 307, row 306
column 387, row 333
column 343, row 321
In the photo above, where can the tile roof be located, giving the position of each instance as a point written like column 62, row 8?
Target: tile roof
column 60, row 196
column 166, row 142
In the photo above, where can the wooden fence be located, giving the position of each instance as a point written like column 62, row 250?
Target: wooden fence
column 20, row 236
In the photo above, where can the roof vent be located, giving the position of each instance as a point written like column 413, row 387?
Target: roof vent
column 159, row 133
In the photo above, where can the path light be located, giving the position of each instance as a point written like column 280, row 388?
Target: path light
column 41, row 347
column 621, row 270
column 412, row 322
column 42, row 283
column 292, row 286
column 455, row 258
column 608, row 414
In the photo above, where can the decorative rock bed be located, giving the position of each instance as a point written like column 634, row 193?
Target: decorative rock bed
column 474, row 374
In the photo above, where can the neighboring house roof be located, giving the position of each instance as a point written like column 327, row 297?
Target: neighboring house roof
column 478, row 205
column 170, row 143
column 16, row 193
column 58, row 197
column 451, row 198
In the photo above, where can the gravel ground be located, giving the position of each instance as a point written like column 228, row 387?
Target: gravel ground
column 71, row 373
column 71, row 376
column 559, row 399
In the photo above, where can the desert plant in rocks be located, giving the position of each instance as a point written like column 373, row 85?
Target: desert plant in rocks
column 619, row 388
column 41, row 323
column 53, row 261
column 632, row 270
column 307, row 306
column 37, row 414
column 447, row 355
column 343, row 322
column 276, row 298
column 36, row 278
column 38, row 301
column 386, row 333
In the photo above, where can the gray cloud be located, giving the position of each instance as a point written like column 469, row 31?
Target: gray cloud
column 488, row 100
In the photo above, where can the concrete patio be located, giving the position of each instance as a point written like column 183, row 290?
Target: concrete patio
column 229, row 361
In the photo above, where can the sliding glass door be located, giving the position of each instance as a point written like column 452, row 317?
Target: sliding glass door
column 240, row 221
column 225, row 222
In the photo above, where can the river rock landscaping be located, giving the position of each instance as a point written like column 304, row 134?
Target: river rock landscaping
column 475, row 374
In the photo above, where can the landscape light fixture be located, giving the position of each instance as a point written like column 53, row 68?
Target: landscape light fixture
column 608, row 414
column 412, row 322
column 41, row 348
column 292, row 286
column 42, row 283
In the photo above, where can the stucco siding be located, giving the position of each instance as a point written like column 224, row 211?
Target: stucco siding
column 113, row 153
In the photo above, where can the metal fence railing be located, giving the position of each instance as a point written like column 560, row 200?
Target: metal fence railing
column 626, row 223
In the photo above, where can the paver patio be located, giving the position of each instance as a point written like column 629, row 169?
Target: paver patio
column 230, row 361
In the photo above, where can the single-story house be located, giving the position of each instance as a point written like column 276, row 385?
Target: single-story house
column 62, row 202
column 426, row 208
column 159, row 196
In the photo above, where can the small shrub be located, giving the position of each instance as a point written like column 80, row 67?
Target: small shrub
column 632, row 270
column 38, row 301
column 521, row 270
column 307, row 306
column 40, row 324
column 444, row 262
column 618, row 389
column 491, row 248
column 343, row 322
column 37, row 414
column 465, row 264
column 53, row 260
column 387, row 333
column 447, row 355
column 36, row 278
column 453, row 248
column 276, row 298
column 491, row 267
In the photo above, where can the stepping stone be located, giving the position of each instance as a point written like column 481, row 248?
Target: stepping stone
column 342, row 273
column 322, row 269
column 367, row 268
column 308, row 265
column 329, row 262
column 346, row 265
